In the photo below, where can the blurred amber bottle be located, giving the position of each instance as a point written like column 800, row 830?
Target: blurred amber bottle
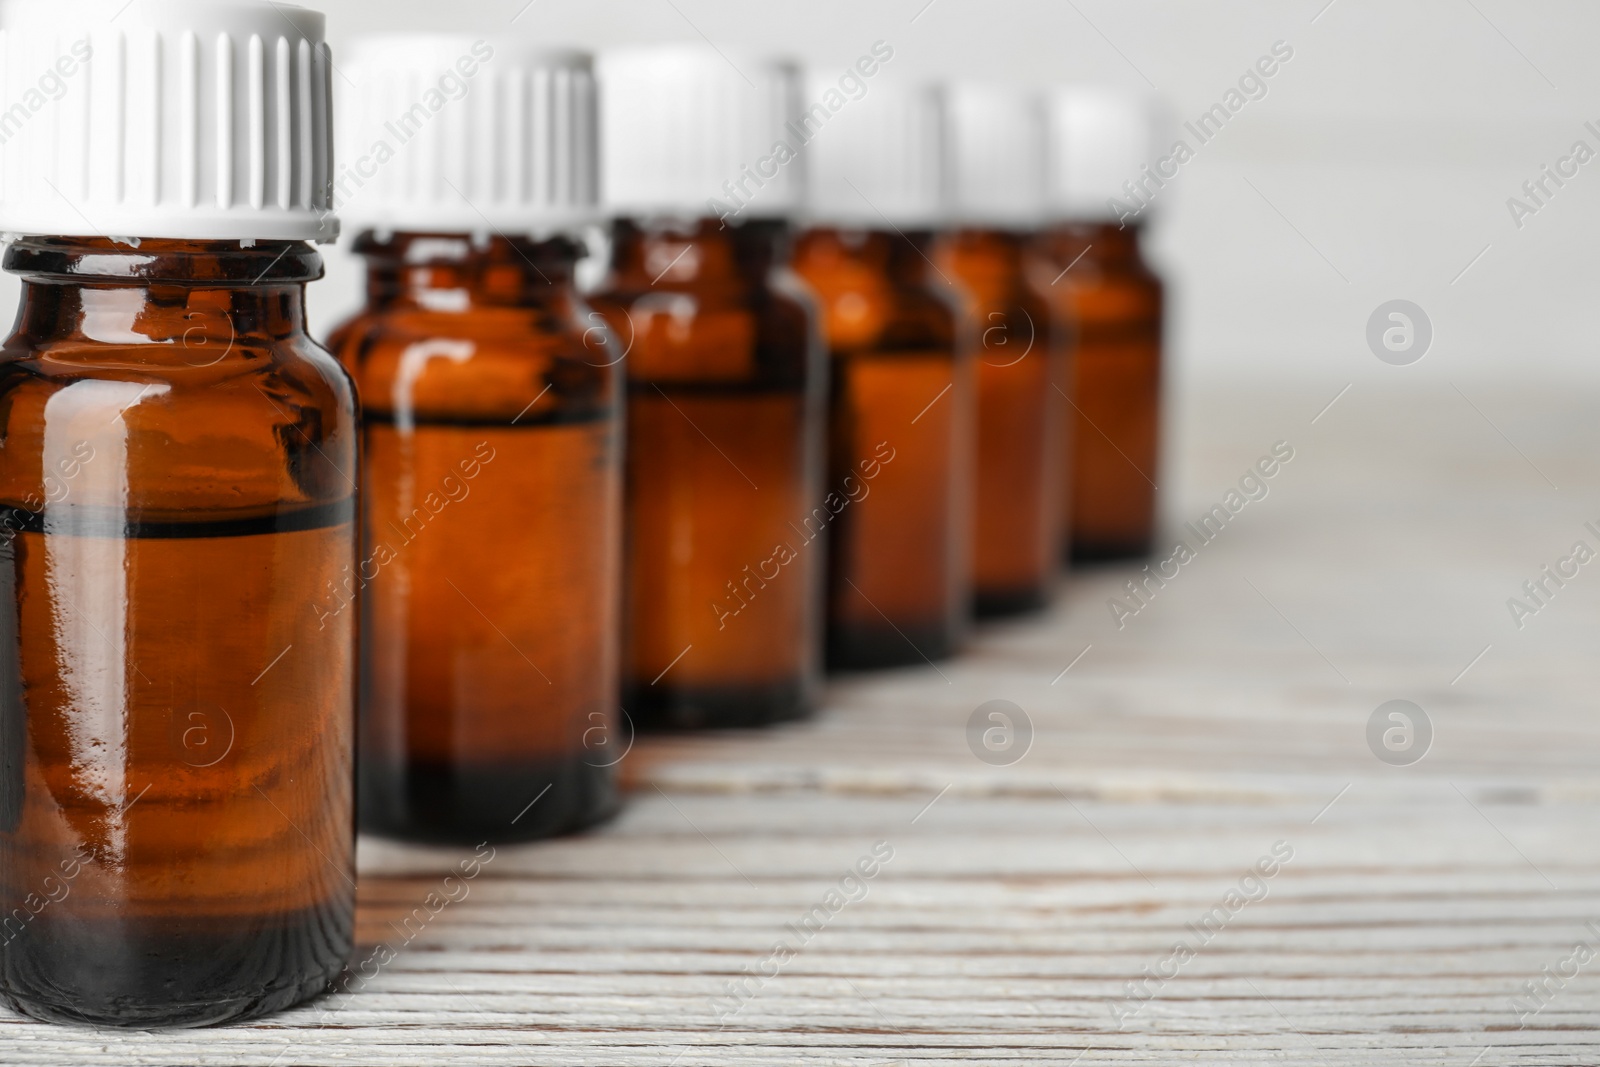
column 177, row 483
column 491, row 422
column 726, row 379
column 1104, row 286
column 997, row 154
column 901, row 406
column 1093, row 273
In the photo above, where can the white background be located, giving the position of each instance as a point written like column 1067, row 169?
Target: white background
column 1390, row 142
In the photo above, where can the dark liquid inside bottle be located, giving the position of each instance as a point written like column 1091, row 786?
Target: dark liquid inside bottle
column 1103, row 287
column 725, row 413
column 176, row 839
column 900, row 441
column 1021, row 377
column 489, row 575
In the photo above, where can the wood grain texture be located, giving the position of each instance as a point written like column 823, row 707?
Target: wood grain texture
column 1226, row 718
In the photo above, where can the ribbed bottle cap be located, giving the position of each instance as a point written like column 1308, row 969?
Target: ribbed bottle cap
column 877, row 158
column 460, row 133
column 1099, row 139
column 689, row 131
column 997, row 151
column 187, row 119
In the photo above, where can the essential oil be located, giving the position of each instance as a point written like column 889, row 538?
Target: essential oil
column 726, row 391
column 177, row 487
column 901, row 390
column 491, row 423
column 1095, row 275
column 997, row 149
column 899, row 449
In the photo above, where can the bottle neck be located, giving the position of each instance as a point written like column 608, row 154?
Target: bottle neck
column 186, row 298
column 1107, row 241
column 762, row 246
column 989, row 262
column 894, row 257
column 455, row 272
column 696, row 256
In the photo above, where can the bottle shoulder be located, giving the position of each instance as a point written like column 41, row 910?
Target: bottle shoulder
column 224, row 425
column 1087, row 288
column 1093, row 299
column 204, row 366
column 899, row 317
column 528, row 328
column 481, row 365
column 764, row 335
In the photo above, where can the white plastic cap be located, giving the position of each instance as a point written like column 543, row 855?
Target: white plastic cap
column 186, row 119
column 997, row 156
column 874, row 158
column 1099, row 139
column 687, row 131
column 461, row 133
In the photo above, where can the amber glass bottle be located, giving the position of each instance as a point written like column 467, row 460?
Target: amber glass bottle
column 725, row 413
column 489, row 584
column 726, row 392
column 1020, row 369
column 1095, row 277
column 177, row 483
column 997, row 156
column 1101, row 142
column 900, row 381
column 178, row 489
column 900, row 432
column 488, row 579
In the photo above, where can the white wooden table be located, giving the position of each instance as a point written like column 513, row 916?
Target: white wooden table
column 1227, row 716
